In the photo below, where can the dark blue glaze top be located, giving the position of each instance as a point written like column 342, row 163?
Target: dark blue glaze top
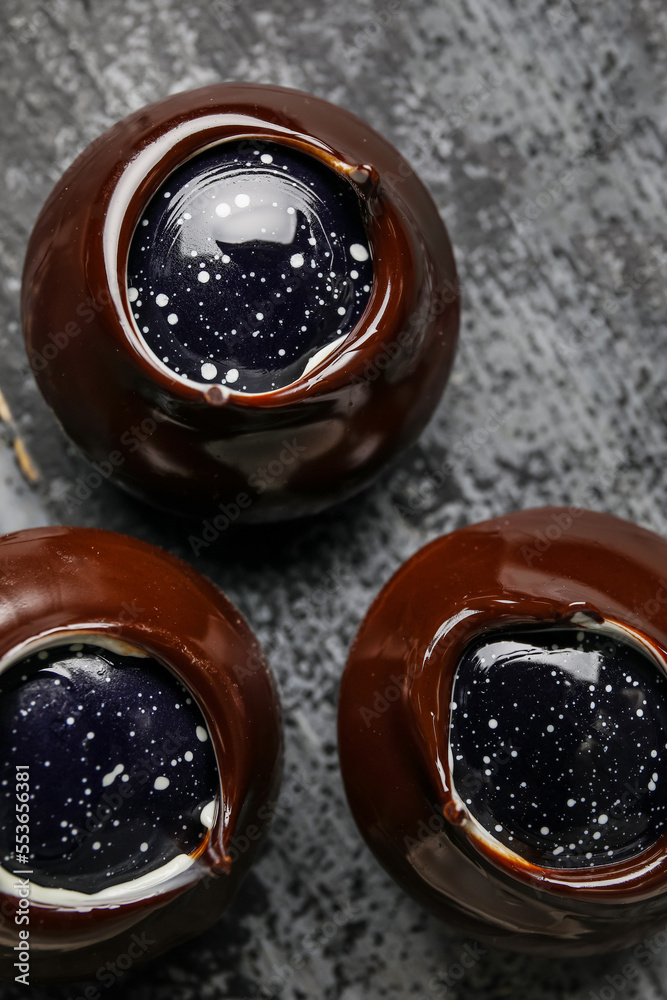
column 249, row 259
column 120, row 763
column 558, row 738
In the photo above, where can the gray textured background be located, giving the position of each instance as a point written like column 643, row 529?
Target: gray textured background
column 539, row 129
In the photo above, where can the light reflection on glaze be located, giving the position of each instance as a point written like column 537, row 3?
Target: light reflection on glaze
column 558, row 742
column 249, row 260
column 122, row 770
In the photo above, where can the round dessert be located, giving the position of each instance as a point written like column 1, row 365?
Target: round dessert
column 246, row 296
column 140, row 741
column 507, row 695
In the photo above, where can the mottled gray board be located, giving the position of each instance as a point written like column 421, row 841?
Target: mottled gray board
column 554, row 111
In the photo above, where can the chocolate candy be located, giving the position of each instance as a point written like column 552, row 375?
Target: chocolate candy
column 140, row 739
column 503, row 719
column 241, row 302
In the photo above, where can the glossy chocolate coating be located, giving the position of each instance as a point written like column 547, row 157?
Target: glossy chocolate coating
column 553, row 569
column 91, row 587
column 343, row 420
column 248, row 260
column 549, row 776
column 90, row 724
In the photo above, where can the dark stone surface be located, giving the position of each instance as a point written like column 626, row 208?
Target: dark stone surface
column 537, row 129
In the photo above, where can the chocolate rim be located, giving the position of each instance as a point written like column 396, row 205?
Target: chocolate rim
column 531, row 567
column 354, row 412
column 170, row 143
column 425, row 688
column 185, row 623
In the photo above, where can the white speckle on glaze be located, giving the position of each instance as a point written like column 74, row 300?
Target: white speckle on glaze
column 109, row 778
column 207, row 815
column 359, row 252
column 222, row 201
